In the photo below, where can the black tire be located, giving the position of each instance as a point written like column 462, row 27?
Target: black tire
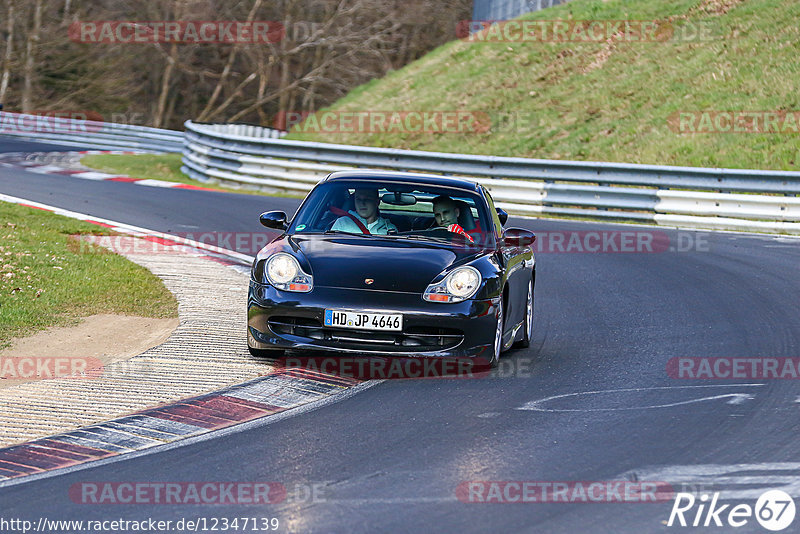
column 498, row 338
column 525, row 342
column 265, row 354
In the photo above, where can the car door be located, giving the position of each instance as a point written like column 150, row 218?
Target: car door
column 512, row 258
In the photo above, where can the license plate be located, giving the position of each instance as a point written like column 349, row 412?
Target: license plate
column 363, row 321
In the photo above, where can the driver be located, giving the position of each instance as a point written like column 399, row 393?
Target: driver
column 446, row 212
column 366, row 212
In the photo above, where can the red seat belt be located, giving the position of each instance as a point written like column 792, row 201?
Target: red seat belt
column 340, row 212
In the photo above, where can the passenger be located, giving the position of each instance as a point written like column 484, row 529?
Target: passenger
column 446, row 213
column 366, row 213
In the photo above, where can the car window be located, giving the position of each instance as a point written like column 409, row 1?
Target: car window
column 498, row 226
column 407, row 209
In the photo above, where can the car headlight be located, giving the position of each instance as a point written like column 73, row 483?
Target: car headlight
column 460, row 284
column 284, row 272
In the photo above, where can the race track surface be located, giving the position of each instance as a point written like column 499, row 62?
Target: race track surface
column 392, row 457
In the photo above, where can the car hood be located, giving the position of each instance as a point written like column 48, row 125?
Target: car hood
column 392, row 264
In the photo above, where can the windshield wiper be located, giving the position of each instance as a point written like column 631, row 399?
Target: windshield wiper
column 423, row 238
column 331, row 232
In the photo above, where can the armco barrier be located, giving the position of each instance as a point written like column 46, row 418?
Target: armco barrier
column 508, row 9
column 730, row 199
column 89, row 134
column 747, row 200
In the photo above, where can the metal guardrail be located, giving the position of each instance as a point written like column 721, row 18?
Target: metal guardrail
column 731, row 199
column 509, row 9
column 245, row 130
column 748, row 200
column 89, row 134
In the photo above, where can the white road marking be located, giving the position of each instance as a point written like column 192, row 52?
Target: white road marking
column 90, row 175
column 157, row 183
column 732, row 481
column 736, row 398
column 739, row 398
column 44, row 169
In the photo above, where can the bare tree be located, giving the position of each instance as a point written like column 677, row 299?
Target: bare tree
column 67, row 5
column 158, row 120
column 31, row 48
column 166, row 79
column 9, row 50
column 329, row 47
column 226, row 70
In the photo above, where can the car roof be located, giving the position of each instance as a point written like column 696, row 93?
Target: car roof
column 404, row 177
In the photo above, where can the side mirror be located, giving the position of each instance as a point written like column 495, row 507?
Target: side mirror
column 274, row 219
column 518, row 237
column 501, row 213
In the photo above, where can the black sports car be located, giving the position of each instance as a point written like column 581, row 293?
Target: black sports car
column 400, row 264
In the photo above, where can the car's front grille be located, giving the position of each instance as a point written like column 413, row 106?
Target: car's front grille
column 414, row 338
column 294, row 326
column 431, row 335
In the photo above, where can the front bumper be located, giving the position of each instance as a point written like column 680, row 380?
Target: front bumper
column 295, row 321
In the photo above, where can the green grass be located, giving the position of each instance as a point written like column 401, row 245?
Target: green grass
column 166, row 167
column 606, row 101
column 48, row 278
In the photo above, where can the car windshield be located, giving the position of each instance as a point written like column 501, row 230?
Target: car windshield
column 399, row 211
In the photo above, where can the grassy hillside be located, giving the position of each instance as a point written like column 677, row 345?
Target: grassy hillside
column 612, row 100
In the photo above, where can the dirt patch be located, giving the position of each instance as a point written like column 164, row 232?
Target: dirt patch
column 107, row 338
column 719, row 7
column 600, row 57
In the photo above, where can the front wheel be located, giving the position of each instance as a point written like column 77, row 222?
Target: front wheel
column 498, row 338
column 269, row 354
column 527, row 333
column 266, row 354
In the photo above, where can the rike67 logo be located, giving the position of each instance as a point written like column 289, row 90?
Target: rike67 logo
column 774, row 510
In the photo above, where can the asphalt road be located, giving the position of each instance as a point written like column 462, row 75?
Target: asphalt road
column 391, row 458
column 9, row 144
